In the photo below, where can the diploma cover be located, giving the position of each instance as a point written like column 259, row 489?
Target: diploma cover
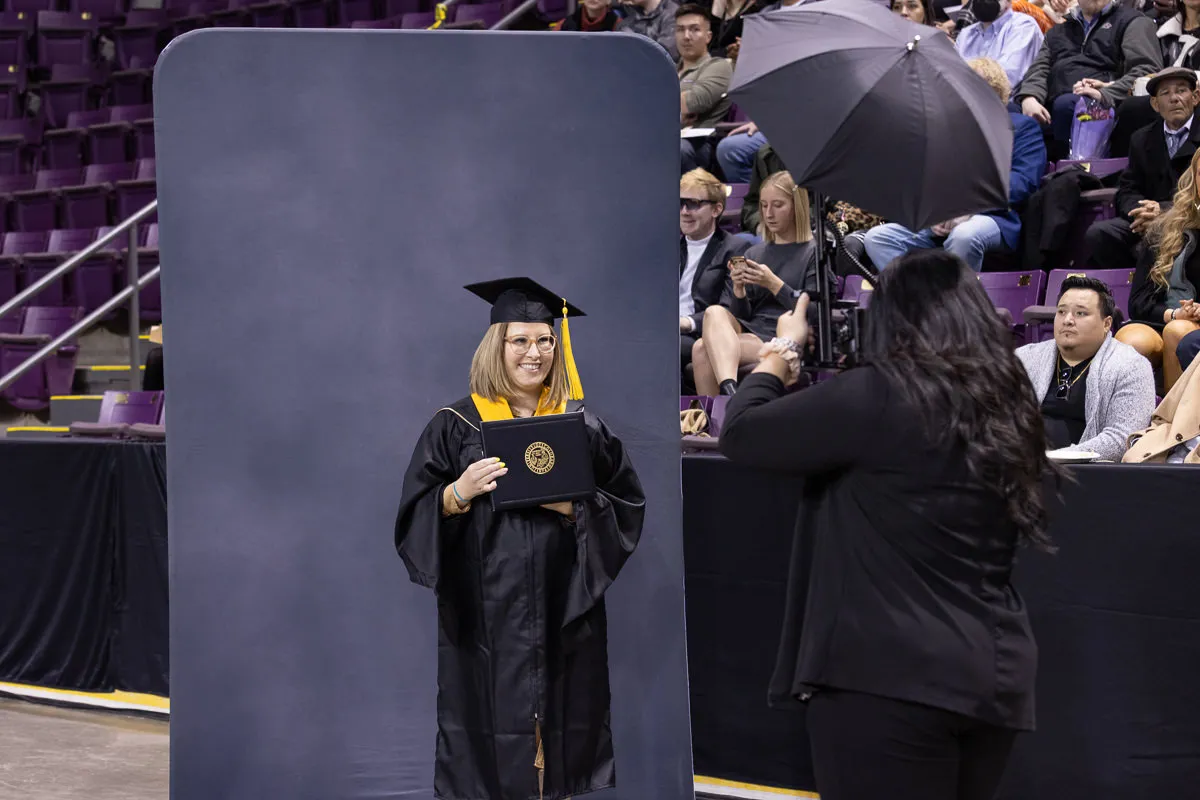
column 548, row 460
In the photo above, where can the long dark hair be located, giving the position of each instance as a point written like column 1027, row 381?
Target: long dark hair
column 933, row 332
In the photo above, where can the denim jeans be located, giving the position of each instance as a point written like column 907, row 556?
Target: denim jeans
column 969, row 241
column 736, row 155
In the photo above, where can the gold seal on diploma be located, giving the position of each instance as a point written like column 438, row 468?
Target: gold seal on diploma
column 539, row 458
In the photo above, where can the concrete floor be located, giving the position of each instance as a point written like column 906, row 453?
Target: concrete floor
column 51, row 753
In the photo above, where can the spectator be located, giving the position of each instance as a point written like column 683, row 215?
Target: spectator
column 1098, row 51
column 591, row 15
column 1188, row 349
column 736, row 152
column 1010, row 39
column 1085, row 408
column 704, row 253
column 1045, row 23
column 1163, row 296
column 1158, row 157
column 727, row 34
column 766, row 163
column 1174, row 433
column 703, row 83
column 654, row 19
column 970, row 237
column 760, row 290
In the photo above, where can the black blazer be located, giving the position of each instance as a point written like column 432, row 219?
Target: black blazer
column 711, row 272
column 907, row 562
column 1151, row 175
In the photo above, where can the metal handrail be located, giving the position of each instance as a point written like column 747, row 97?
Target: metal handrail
column 74, row 261
column 128, row 293
column 128, row 226
column 515, row 15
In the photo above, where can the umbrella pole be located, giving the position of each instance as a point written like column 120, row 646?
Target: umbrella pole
column 825, row 298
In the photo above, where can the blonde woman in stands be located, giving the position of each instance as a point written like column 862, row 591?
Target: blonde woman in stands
column 1163, row 296
column 761, row 287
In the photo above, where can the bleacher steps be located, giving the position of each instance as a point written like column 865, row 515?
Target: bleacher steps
column 65, row 409
column 101, row 378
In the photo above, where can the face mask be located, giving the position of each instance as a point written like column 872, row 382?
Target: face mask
column 985, row 10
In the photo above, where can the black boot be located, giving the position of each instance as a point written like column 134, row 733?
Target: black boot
column 729, row 387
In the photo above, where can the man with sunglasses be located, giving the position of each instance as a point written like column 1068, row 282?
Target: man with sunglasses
column 1095, row 391
column 704, row 253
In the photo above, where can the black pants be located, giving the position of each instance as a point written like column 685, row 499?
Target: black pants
column 1112, row 244
column 152, row 378
column 868, row 748
column 695, row 153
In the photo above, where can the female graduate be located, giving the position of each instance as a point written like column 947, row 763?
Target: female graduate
column 523, row 698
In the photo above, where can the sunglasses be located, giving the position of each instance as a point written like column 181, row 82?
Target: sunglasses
column 693, row 205
column 1064, row 383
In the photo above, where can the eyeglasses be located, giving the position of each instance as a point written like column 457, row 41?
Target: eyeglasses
column 693, row 205
column 1064, row 383
column 521, row 344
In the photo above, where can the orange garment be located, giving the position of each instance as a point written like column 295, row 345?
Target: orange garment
column 1043, row 20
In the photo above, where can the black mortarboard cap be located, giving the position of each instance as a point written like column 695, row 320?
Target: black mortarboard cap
column 522, row 300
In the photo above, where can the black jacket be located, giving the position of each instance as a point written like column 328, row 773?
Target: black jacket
column 1148, row 300
column 711, row 272
column 1151, row 174
column 908, row 563
column 1051, row 213
column 1120, row 47
column 766, row 163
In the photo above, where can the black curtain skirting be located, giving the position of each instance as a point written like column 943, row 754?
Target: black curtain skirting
column 83, row 568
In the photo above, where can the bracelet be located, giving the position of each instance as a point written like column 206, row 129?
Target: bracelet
column 1173, row 312
column 784, row 342
column 457, row 496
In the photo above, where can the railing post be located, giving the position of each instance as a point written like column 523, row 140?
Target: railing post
column 135, row 313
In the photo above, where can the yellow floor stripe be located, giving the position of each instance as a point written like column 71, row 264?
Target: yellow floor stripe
column 702, row 782
column 40, row 428
column 114, row 368
column 77, row 397
column 121, row 701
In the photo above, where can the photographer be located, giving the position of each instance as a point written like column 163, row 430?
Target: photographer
column 924, row 474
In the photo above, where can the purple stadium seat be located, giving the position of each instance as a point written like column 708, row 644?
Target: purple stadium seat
column 35, row 210
column 150, row 297
column 552, row 10
column 87, row 205
column 1100, row 167
column 71, row 88
column 30, row 6
column 12, row 86
column 1040, row 318
column 16, row 29
column 131, row 87
column 351, row 11
column 856, row 288
column 91, row 282
column 138, row 37
column 64, row 147
column 419, row 19
column 398, row 8
column 119, row 411
column 8, row 185
column 271, row 14
column 19, row 139
column 1014, row 292
column 234, row 15
column 487, row 13
column 133, row 195
column 110, row 142
column 65, row 38
column 106, row 12
column 9, row 274
column 377, row 24
column 197, row 15
column 54, row 376
column 309, row 13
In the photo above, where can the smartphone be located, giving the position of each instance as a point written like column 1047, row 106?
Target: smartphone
column 736, row 262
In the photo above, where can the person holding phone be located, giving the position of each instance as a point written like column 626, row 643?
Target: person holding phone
column 762, row 285
column 523, row 695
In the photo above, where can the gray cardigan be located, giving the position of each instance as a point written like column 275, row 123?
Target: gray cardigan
column 1120, row 393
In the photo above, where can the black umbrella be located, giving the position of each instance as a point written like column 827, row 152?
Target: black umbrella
column 867, row 107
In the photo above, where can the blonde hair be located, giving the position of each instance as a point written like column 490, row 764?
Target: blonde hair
column 994, row 74
column 704, row 181
column 490, row 378
column 783, row 182
column 1166, row 232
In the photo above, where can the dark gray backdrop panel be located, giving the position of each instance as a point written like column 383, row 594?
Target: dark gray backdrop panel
column 324, row 196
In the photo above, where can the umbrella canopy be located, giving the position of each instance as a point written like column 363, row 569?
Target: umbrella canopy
column 872, row 109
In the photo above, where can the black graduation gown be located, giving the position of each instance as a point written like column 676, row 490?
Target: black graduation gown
column 522, row 633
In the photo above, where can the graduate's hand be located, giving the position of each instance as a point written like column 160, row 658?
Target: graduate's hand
column 480, row 478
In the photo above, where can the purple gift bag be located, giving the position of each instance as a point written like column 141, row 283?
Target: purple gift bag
column 1090, row 129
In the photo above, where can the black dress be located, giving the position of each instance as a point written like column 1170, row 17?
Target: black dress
column 908, row 562
column 522, row 633
column 794, row 264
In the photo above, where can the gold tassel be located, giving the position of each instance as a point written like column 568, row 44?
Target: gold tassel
column 574, row 386
column 539, row 761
